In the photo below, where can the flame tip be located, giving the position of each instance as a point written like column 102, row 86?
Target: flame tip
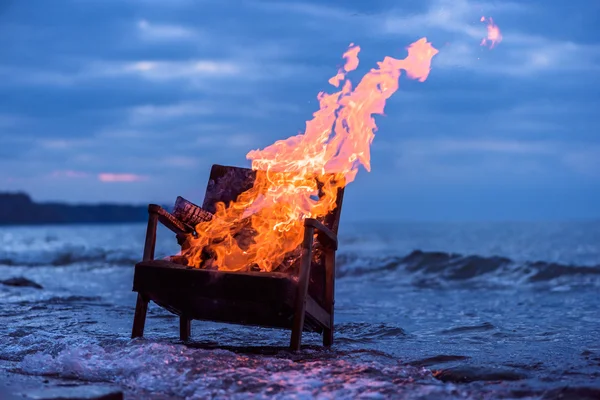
column 494, row 36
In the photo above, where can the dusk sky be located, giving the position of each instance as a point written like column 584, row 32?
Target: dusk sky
column 131, row 101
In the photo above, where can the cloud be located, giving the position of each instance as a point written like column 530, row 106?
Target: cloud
column 309, row 9
column 452, row 146
column 150, row 113
column 210, row 75
column 110, row 177
column 584, row 161
column 180, row 161
column 121, row 133
column 171, row 70
column 164, row 32
column 508, row 112
column 161, row 3
column 537, row 54
column 64, row 144
column 214, row 57
column 463, row 159
column 11, row 120
column 458, row 23
column 182, row 112
column 450, row 16
column 102, row 177
column 157, row 71
column 149, row 3
column 523, row 56
column 243, row 140
column 69, row 174
column 162, row 89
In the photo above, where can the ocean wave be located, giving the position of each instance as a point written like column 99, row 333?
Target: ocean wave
column 180, row 371
column 422, row 268
column 364, row 332
column 434, row 268
column 66, row 257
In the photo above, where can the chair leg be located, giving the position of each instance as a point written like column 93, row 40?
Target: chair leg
column 328, row 336
column 296, row 339
column 329, row 295
column 139, row 319
column 300, row 306
column 141, row 305
column 185, row 328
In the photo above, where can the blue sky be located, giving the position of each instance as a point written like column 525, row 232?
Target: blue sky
column 162, row 89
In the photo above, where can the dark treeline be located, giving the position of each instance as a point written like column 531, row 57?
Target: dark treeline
column 20, row 209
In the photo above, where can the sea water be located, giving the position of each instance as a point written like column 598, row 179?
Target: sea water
column 423, row 310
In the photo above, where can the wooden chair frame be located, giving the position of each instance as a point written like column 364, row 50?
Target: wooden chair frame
column 150, row 277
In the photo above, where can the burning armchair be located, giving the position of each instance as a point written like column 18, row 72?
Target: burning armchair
column 221, row 275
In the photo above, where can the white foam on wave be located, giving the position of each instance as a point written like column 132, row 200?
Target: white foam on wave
column 75, row 244
column 176, row 370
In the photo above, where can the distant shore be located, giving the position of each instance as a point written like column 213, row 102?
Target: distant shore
column 19, row 209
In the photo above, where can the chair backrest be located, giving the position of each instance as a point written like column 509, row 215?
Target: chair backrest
column 226, row 183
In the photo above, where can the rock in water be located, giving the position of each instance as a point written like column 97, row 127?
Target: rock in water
column 466, row 374
column 90, row 392
column 21, row 282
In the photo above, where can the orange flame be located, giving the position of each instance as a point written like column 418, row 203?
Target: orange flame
column 336, row 141
column 351, row 56
column 494, row 36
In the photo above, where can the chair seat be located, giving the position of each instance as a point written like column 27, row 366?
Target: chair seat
column 264, row 299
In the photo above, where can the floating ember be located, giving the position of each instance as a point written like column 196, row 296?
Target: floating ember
column 299, row 177
column 494, row 36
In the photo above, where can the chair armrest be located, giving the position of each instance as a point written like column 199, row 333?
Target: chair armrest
column 324, row 234
column 170, row 221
